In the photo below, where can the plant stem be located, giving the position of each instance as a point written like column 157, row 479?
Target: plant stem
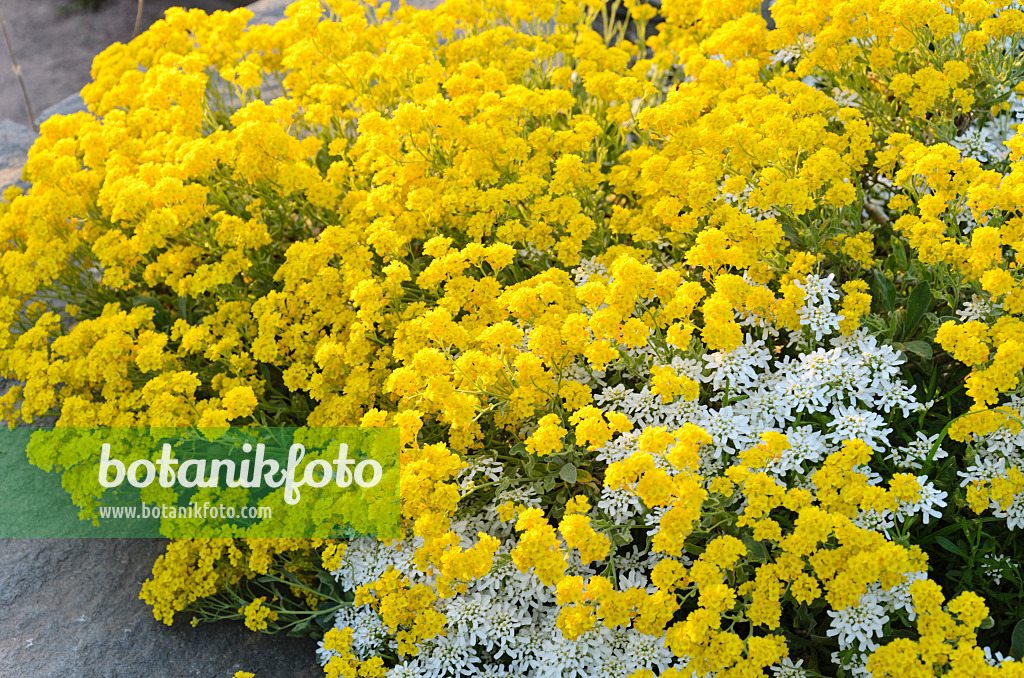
column 138, row 20
column 17, row 73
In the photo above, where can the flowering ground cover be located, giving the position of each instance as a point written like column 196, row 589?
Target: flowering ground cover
column 704, row 348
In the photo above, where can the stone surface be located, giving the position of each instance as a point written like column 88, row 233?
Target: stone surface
column 55, row 43
column 69, row 608
column 15, row 140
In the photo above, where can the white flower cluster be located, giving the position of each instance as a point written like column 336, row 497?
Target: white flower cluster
column 504, row 624
column 819, row 400
column 996, row 455
column 986, row 143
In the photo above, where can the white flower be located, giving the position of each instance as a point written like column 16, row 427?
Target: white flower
column 564, row 658
column 845, row 98
column 646, row 652
column 978, row 308
column 449, row 657
column 368, row 630
column 739, row 368
column 898, row 597
column 729, row 430
column 995, row 566
column 620, row 505
column 873, row 520
column 930, row 498
column 894, row 394
column 1014, row 513
column 818, row 290
column 996, row 658
column 495, row 671
column 503, row 620
column 787, row 669
column 619, row 448
column 804, row 395
column 916, row 452
column 851, row 423
column 984, row 469
column 587, row 269
column 468, row 614
column 820, row 320
column 519, row 495
column 407, row 669
column 487, row 467
column 859, row 623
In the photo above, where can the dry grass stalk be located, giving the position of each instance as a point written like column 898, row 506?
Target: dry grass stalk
column 17, row 72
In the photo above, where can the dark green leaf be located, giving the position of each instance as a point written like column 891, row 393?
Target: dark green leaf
column 146, row 300
column 920, row 348
column 899, row 253
column 1017, row 640
column 790, row 233
column 886, row 292
column 326, row 621
column 568, row 473
column 945, row 543
column 183, row 309
column 620, row 538
column 300, row 630
column 756, row 548
column 918, row 304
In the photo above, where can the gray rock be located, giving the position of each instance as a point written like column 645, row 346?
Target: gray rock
column 68, row 106
column 15, row 140
column 70, row 609
column 268, row 11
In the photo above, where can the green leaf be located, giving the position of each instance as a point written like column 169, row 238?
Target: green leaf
column 918, row 304
column 299, row 630
column 549, row 481
column 568, row 473
column 326, row 620
column 756, row 548
column 620, row 538
column 183, row 309
column 1017, row 640
column 945, row 543
column 987, row 623
column 805, row 619
column 693, row 549
column 886, row 292
column 899, row 252
column 793, row 236
column 920, row 348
